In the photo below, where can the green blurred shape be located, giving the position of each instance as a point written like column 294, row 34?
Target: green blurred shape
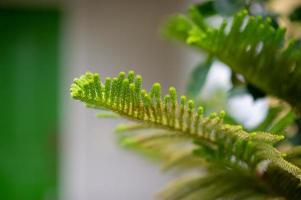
column 198, row 77
column 29, row 60
column 295, row 16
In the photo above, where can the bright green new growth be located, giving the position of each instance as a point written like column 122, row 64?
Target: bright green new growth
column 213, row 140
column 250, row 46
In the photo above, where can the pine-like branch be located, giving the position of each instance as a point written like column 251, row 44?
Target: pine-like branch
column 124, row 95
column 250, row 46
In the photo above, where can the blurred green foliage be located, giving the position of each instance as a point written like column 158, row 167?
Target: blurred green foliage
column 29, row 60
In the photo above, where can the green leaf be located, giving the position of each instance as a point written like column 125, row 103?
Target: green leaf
column 197, row 17
column 269, row 119
column 177, row 27
column 198, row 78
column 282, row 123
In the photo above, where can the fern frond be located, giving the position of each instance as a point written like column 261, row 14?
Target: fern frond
column 124, row 95
column 252, row 47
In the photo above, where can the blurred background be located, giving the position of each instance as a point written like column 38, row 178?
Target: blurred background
column 52, row 147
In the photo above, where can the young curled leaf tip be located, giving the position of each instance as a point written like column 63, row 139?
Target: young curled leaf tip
column 190, row 104
column 173, row 92
column 131, row 76
column 125, row 81
column 155, row 90
column 121, row 75
column 212, row 115
column 222, row 114
column 132, row 86
column 200, row 110
column 139, row 78
column 183, row 100
column 131, row 73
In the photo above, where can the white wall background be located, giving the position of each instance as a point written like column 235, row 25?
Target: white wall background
column 107, row 37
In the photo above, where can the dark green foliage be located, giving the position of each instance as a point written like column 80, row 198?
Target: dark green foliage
column 207, row 8
column 198, row 78
column 252, row 47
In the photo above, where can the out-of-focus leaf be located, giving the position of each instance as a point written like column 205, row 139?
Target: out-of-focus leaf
column 107, row 114
column 215, row 184
column 282, row 123
column 274, row 22
column 177, row 27
column 206, row 8
column 122, row 128
column 272, row 16
column 197, row 17
column 273, row 124
column 296, row 15
column 271, row 116
column 198, row 77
